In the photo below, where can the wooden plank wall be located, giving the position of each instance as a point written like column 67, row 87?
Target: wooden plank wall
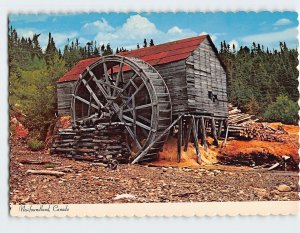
column 64, row 96
column 206, row 80
column 174, row 75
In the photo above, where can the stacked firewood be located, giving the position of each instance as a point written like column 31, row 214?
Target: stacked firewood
column 102, row 142
column 242, row 125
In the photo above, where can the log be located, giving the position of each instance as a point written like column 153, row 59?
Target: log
column 37, row 162
column 45, row 172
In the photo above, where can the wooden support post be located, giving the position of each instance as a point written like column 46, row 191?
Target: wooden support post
column 179, row 140
column 197, row 126
column 203, row 133
column 220, row 128
column 188, row 133
column 214, row 132
column 200, row 131
column 195, row 136
column 226, row 134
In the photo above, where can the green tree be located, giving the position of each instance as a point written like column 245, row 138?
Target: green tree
column 283, row 110
column 51, row 49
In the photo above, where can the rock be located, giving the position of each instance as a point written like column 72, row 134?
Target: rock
column 284, row 188
column 186, row 169
column 164, row 169
column 124, row 196
column 275, row 192
column 217, row 171
column 261, row 192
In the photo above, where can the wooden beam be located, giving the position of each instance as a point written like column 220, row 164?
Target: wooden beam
column 179, row 140
column 214, row 132
column 203, row 133
column 220, row 128
column 195, row 136
column 188, row 133
column 226, row 134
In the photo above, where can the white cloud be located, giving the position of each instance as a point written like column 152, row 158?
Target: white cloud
column 271, row 37
column 282, row 22
column 60, row 39
column 26, row 32
column 138, row 26
column 135, row 29
column 175, row 29
column 233, row 42
column 97, row 26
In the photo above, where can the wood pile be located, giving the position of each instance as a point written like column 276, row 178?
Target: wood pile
column 242, row 125
column 260, row 160
column 103, row 142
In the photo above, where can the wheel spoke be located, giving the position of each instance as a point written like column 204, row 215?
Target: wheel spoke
column 130, row 98
column 119, row 75
column 106, row 77
column 138, row 107
column 86, row 102
column 133, row 137
column 91, row 92
column 137, row 123
column 133, row 84
column 109, row 85
column 98, row 85
column 144, row 119
column 125, row 87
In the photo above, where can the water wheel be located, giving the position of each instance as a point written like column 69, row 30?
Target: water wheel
column 127, row 90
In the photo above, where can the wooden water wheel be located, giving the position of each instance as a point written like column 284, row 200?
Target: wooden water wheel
column 127, row 90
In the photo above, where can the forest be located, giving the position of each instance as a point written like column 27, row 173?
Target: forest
column 260, row 81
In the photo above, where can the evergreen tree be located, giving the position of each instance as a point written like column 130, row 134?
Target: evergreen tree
column 37, row 50
column 151, row 42
column 102, row 49
column 51, row 50
column 145, row 43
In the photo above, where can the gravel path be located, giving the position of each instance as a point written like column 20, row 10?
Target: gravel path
column 88, row 184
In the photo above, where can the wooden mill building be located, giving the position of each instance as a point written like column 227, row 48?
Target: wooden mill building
column 190, row 67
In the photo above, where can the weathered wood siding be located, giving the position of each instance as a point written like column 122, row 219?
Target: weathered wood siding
column 174, row 76
column 206, row 82
column 64, row 96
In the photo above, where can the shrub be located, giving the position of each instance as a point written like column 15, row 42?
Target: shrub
column 35, row 144
column 283, row 110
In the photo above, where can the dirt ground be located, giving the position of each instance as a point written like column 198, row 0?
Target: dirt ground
column 85, row 183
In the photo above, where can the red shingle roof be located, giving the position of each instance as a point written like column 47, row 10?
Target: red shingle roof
column 154, row 55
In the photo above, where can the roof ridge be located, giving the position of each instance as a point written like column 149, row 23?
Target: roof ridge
column 166, row 43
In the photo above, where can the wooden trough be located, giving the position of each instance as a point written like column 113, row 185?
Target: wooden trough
column 179, row 85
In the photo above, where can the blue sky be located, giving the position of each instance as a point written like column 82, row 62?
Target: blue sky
column 128, row 29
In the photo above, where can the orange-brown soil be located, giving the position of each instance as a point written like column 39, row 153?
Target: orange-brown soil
column 233, row 148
